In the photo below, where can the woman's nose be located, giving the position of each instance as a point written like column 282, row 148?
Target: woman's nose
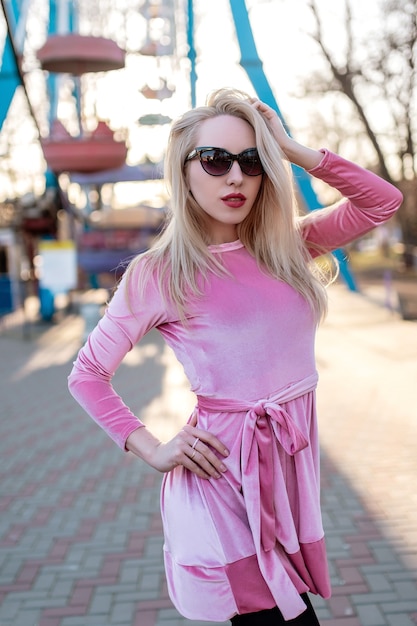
column 235, row 174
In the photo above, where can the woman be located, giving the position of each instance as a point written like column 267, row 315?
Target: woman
column 233, row 288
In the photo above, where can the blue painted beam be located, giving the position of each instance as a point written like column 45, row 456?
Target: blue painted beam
column 9, row 80
column 10, row 77
column 252, row 64
column 191, row 51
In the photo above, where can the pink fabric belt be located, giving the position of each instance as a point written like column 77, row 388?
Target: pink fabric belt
column 258, row 456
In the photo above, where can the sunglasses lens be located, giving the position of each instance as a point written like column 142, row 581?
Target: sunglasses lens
column 250, row 163
column 215, row 162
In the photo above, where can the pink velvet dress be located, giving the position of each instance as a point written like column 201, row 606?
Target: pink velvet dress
column 252, row 539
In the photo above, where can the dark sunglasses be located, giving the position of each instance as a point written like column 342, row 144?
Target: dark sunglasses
column 217, row 161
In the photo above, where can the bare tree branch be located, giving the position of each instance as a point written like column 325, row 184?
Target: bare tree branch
column 345, row 78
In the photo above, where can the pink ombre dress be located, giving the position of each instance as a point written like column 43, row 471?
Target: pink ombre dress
column 252, row 539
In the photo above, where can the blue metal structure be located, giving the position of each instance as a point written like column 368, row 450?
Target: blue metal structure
column 10, row 81
column 10, row 77
column 191, row 51
column 63, row 18
column 252, row 64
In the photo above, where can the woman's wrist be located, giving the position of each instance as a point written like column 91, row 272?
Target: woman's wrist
column 307, row 158
column 142, row 443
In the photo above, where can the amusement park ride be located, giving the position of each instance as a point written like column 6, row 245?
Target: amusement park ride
column 96, row 156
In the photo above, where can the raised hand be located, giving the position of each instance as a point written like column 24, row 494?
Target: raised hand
column 295, row 152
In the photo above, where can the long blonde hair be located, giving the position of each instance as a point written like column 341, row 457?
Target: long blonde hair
column 271, row 231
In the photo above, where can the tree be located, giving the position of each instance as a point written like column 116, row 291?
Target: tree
column 378, row 76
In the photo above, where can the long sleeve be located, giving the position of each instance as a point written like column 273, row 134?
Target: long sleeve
column 368, row 201
column 122, row 326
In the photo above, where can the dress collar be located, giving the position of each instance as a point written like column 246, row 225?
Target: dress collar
column 225, row 247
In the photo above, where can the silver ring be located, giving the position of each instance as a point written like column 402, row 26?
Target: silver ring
column 195, row 443
column 193, row 454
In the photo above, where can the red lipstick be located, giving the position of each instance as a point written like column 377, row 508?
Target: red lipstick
column 235, row 200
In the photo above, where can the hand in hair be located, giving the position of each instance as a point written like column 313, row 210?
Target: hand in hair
column 306, row 158
column 274, row 122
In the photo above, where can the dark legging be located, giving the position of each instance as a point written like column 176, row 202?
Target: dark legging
column 273, row 617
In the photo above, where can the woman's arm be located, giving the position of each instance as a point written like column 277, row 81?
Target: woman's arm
column 368, row 199
column 90, row 383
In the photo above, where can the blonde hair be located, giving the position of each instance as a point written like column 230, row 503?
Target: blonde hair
column 271, row 231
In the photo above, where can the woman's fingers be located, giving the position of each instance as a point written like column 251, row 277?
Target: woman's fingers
column 199, row 453
column 206, row 437
column 263, row 108
column 205, row 458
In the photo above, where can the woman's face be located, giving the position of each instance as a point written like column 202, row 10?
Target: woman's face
column 226, row 200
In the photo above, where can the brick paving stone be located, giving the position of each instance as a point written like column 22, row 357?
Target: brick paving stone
column 123, row 612
column 406, row 590
column 379, row 583
column 347, row 621
column 24, row 617
column 400, row 619
column 341, row 606
column 371, row 615
column 401, row 606
column 80, row 529
column 101, row 602
column 146, row 618
column 85, row 620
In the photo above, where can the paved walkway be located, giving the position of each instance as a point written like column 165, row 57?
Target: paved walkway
column 80, row 531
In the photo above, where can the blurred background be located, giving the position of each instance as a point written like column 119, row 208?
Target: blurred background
column 87, row 93
column 88, row 90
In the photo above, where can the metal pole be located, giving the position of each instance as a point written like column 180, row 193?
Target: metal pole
column 14, row 58
column 191, row 51
column 252, row 64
